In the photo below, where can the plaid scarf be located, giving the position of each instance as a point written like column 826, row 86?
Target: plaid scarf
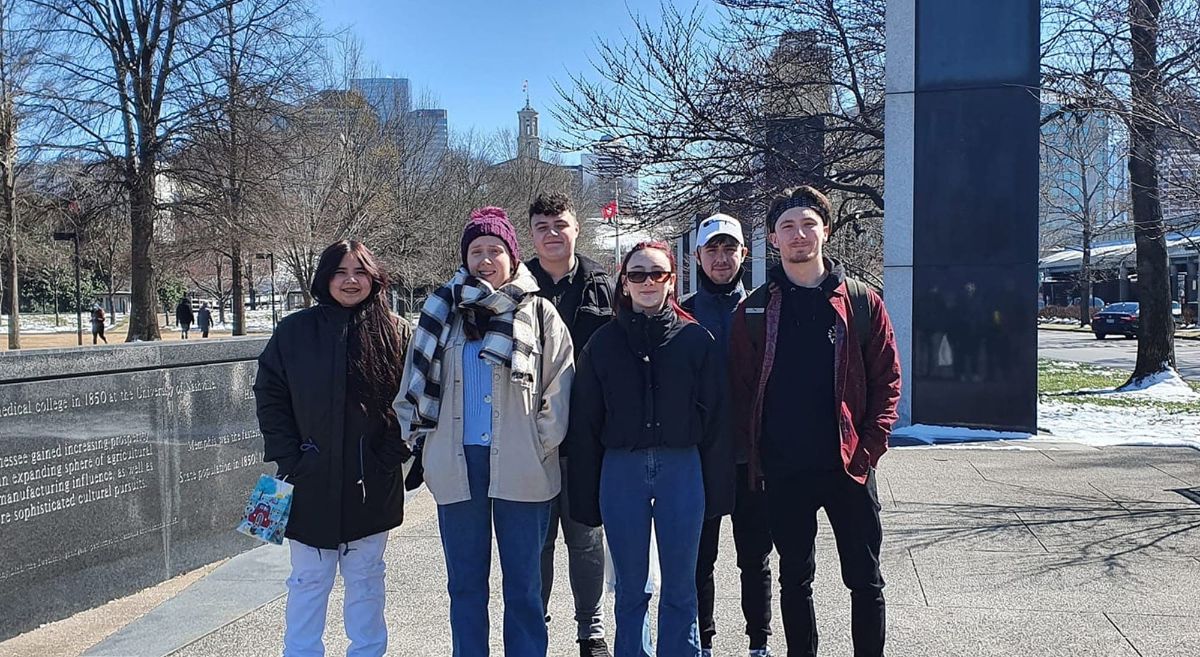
column 508, row 341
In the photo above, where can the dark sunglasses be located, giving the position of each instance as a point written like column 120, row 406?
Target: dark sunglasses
column 641, row 276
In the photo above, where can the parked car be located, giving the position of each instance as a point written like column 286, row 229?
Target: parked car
column 1116, row 319
column 1097, row 302
column 1122, row 319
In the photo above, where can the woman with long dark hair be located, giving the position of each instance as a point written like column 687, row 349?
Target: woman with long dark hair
column 486, row 385
column 324, row 390
column 649, row 444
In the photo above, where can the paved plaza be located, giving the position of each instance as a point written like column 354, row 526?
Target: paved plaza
column 1030, row 549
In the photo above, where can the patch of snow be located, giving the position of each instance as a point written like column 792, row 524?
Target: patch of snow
column 1166, row 386
column 1106, row 425
column 39, row 324
column 1059, row 365
column 997, row 444
column 924, row 434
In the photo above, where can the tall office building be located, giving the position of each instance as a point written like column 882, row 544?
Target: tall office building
column 1179, row 173
column 1080, row 171
column 797, row 95
column 391, row 98
column 430, row 131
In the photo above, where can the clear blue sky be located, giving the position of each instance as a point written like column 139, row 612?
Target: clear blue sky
column 473, row 55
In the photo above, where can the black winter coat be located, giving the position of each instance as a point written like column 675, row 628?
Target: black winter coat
column 646, row 382
column 344, row 462
column 594, row 296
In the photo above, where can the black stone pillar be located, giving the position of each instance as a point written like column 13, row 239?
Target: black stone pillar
column 960, row 250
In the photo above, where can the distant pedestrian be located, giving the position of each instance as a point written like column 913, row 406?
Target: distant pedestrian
column 340, row 359
column 204, row 319
column 650, row 446
column 816, row 380
column 98, row 320
column 487, row 386
column 184, row 317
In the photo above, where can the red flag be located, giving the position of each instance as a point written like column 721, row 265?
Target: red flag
column 609, row 211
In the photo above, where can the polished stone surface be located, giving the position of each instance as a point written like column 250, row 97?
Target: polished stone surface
column 974, row 347
column 974, row 161
column 960, row 234
column 114, row 480
column 976, row 44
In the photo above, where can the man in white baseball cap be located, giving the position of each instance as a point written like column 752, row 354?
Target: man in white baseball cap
column 721, row 251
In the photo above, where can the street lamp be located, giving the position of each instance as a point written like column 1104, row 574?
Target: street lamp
column 65, row 236
column 271, row 257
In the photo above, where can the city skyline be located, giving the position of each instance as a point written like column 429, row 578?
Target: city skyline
column 480, row 81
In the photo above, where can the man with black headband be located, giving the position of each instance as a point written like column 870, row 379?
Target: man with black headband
column 721, row 251
column 816, row 380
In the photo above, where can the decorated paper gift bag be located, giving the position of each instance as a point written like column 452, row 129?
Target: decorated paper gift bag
column 267, row 511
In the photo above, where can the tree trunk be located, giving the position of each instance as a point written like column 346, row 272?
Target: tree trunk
column 1156, row 347
column 1085, row 280
column 56, row 300
column 238, row 294
column 250, row 283
column 220, row 293
column 8, row 198
column 1085, row 263
column 14, row 293
column 250, row 291
column 112, row 293
column 143, row 324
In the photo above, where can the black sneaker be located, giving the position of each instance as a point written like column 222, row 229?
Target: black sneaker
column 593, row 648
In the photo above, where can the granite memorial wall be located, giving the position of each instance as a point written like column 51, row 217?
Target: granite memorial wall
column 120, row 467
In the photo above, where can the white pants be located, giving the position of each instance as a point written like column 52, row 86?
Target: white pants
column 313, row 572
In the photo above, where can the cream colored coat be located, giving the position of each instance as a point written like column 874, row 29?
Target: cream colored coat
column 528, row 424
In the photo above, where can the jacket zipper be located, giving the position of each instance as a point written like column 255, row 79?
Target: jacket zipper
column 362, row 471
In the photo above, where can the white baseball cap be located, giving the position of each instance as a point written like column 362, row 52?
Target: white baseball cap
column 719, row 224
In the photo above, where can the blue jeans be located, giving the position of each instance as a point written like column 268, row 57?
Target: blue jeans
column 662, row 485
column 466, row 529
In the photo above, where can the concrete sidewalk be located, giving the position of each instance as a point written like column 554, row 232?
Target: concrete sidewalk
column 1031, row 549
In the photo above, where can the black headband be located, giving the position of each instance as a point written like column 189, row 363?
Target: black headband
column 798, row 201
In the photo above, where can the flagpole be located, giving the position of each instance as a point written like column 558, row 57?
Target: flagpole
column 617, row 223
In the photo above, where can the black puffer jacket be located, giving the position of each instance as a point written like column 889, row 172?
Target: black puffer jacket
column 649, row 381
column 344, row 461
column 593, row 294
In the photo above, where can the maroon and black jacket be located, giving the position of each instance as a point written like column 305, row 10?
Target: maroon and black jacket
column 866, row 380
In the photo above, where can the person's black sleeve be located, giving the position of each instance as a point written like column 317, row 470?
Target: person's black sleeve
column 276, row 419
column 716, row 446
column 584, row 451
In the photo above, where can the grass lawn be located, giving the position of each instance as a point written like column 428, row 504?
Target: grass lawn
column 1079, row 383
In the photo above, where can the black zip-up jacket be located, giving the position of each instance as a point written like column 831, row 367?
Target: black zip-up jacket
column 648, row 381
column 587, row 305
column 344, row 462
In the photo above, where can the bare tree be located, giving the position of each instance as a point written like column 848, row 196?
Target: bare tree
column 1080, row 200
column 234, row 154
column 1137, row 61
column 18, row 47
column 114, row 81
column 772, row 92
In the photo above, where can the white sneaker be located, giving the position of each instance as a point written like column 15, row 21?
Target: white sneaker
column 761, row 652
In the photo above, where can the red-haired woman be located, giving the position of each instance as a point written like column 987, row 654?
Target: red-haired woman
column 324, row 390
column 648, row 443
